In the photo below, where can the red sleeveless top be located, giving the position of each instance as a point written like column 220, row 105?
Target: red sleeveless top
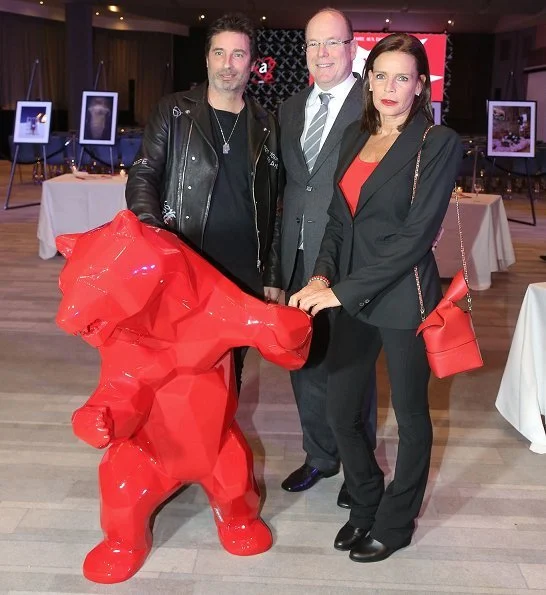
column 353, row 179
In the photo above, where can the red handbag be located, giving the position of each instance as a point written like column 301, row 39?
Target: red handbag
column 448, row 332
column 449, row 336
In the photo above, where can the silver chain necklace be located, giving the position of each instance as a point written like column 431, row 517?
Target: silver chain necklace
column 225, row 146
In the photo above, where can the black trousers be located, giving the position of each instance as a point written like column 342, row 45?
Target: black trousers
column 389, row 513
column 239, row 354
column 309, row 385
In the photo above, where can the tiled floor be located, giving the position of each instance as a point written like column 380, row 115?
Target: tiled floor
column 482, row 529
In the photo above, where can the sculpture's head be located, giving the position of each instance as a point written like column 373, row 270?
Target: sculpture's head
column 112, row 273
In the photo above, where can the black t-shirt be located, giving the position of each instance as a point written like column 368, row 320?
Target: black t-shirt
column 230, row 240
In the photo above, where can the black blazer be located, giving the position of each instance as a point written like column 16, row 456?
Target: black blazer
column 370, row 257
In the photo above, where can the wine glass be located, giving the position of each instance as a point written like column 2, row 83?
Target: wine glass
column 478, row 187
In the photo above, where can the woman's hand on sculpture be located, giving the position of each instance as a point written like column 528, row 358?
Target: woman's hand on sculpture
column 314, row 297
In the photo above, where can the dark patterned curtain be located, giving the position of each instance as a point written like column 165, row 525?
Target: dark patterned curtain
column 281, row 70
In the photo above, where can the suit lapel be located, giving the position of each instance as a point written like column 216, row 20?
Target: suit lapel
column 296, row 124
column 404, row 149
column 257, row 127
column 200, row 110
column 350, row 110
column 353, row 144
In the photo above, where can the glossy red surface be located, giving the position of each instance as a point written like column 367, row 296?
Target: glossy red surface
column 164, row 321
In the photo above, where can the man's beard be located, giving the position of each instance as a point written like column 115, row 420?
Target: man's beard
column 234, row 84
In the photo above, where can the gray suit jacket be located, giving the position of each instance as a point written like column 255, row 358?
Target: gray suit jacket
column 309, row 195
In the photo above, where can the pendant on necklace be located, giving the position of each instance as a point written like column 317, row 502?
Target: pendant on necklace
column 225, row 148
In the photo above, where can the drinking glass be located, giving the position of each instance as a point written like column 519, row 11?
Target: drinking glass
column 478, row 187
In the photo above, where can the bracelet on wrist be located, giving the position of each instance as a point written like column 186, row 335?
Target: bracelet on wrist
column 319, row 278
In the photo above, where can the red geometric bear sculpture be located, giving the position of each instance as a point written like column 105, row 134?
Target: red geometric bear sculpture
column 164, row 321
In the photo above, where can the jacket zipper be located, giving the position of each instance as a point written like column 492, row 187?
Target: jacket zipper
column 209, row 197
column 182, row 177
column 258, row 262
column 207, row 209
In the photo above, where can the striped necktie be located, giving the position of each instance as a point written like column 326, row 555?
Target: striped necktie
column 311, row 144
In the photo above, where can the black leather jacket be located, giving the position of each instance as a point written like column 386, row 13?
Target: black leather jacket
column 171, row 181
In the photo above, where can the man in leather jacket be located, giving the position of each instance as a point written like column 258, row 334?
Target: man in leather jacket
column 208, row 168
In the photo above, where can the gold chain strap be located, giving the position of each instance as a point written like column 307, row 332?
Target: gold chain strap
column 461, row 243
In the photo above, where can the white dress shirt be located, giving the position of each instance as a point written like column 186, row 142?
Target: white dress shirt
column 338, row 96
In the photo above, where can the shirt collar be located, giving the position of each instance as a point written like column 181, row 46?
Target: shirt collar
column 340, row 90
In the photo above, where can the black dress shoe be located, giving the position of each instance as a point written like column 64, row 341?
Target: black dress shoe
column 348, row 536
column 344, row 498
column 543, row 256
column 370, row 550
column 304, row 477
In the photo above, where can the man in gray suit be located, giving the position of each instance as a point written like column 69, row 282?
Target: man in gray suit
column 312, row 124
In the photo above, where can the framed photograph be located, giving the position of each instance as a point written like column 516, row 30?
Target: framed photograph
column 511, row 128
column 98, row 118
column 437, row 112
column 32, row 122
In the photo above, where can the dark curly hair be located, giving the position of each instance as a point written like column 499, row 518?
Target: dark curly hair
column 235, row 22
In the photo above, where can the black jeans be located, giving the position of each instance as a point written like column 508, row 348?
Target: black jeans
column 390, row 513
column 239, row 354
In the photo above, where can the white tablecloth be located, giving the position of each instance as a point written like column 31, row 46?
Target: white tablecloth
column 522, row 394
column 486, row 236
column 72, row 205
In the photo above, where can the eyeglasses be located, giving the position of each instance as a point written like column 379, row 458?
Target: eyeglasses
column 329, row 44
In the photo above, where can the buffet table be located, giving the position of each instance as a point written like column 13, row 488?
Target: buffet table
column 522, row 394
column 486, row 236
column 76, row 204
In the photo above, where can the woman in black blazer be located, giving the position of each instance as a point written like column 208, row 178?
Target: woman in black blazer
column 373, row 239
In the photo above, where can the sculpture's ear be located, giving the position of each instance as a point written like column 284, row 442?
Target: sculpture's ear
column 126, row 223
column 65, row 243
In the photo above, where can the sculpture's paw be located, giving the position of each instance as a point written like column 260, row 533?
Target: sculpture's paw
column 109, row 563
column 287, row 339
column 293, row 328
column 245, row 539
column 93, row 425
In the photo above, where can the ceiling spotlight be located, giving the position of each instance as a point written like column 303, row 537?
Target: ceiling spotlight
column 451, row 22
column 388, row 21
column 121, row 18
column 97, row 13
column 264, row 18
column 42, row 2
column 113, row 8
column 201, row 17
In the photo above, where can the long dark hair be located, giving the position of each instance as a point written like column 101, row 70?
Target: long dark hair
column 408, row 44
column 235, row 22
